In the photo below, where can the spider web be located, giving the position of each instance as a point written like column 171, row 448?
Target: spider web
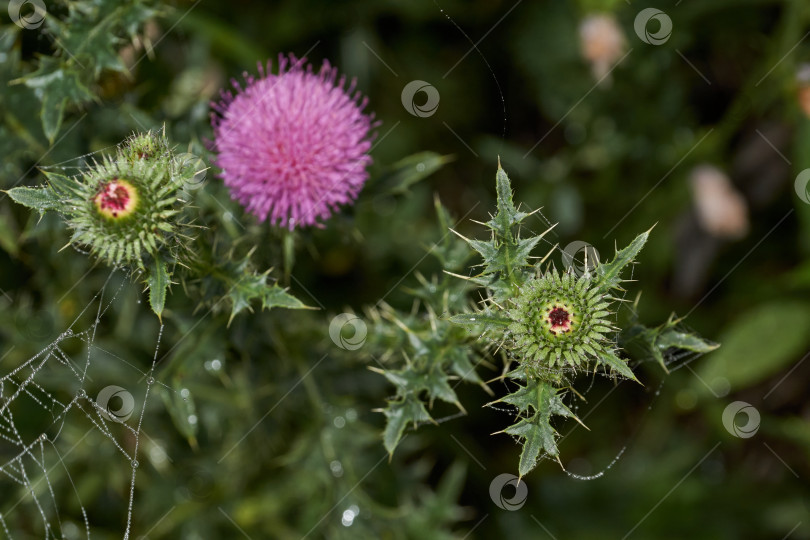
column 34, row 413
column 67, row 386
column 64, row 388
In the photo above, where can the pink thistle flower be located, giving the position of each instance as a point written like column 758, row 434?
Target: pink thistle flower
column 293, row 146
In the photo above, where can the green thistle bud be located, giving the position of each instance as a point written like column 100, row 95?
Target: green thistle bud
column 127, row 208
column 560, row 320
column 146, row 147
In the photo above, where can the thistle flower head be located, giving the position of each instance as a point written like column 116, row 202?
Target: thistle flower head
column 293, row 146
column 560, row 320
column 128, row 207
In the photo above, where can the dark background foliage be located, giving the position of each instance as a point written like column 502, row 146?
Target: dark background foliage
column 297, row 412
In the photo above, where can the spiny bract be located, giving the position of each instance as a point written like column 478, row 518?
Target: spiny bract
column 559, row 320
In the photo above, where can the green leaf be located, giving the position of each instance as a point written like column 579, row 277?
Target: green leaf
column 685, row 341
column 56, row 84
column 398, row 414
column 255, row 287
column 609, row 274
column 506, row 255
column 40, row 199
column 537, row 402
column 158, row 280
column 275, row 296
column 618, row 365
column 459, row 363
column 641, row 342
column 63, row 186
column 412, row 169
column 537, row 435
column 411, row 382
column 757, row 345
column 507, row 216
column 53, row 110
column 487, row 250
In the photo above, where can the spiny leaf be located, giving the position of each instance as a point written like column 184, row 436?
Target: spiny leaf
column 63, row 186
column 537, row 435
column 618, row 365
column 684, row 340
column 254, row 287
column 508, row 216
column 56, row 84
column 40, row 199
column 275, row 296
column 398, row 414
column 458, row 362
column 642, row 341
column 158, row 280
column 609, row 274
column 537, row 401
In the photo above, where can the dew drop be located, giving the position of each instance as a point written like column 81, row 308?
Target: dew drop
column 135, row 463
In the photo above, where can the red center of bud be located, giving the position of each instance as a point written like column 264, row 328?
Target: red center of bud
column 559, row 319
column 116, row 198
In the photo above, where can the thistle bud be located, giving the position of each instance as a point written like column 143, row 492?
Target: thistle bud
column 560, row 321
column 127, row 208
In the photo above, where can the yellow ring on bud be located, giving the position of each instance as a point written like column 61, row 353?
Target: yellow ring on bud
column 116, row 199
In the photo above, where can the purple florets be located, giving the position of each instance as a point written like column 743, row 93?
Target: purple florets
column 293, row 146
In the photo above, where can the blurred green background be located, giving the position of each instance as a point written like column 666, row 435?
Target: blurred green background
column 605, row 131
